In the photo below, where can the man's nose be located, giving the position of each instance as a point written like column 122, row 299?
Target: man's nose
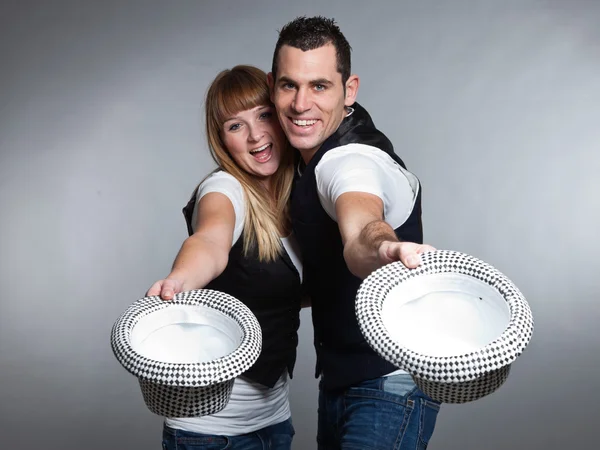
column 301, row 101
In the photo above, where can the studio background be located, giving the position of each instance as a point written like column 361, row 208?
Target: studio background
column 494, row 105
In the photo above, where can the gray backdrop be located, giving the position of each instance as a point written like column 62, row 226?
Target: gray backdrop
column 494, row 105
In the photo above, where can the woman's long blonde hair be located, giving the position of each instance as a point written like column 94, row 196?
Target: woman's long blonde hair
column 267, row 213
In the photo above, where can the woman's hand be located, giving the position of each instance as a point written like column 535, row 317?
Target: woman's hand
column 166, row 289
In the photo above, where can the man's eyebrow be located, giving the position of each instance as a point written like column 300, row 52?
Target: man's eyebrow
column 285, row 79
column 323, row 81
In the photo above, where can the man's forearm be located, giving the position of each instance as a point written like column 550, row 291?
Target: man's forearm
column 362, row 254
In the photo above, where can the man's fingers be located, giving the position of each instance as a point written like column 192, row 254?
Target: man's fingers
column 409, row 253
column 411, row 260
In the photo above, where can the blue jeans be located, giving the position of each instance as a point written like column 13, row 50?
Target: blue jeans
column 381, row 414
column 274, row 437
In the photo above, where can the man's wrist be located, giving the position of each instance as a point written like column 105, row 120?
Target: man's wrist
column 376, row 233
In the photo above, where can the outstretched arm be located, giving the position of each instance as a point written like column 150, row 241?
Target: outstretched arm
column 369, row 241
column 204, row 255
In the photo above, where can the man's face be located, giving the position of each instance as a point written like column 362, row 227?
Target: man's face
column 309, row 96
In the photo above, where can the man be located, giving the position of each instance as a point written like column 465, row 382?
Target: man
column 354, row 208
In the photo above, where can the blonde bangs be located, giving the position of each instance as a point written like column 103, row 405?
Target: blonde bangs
column 238, row 92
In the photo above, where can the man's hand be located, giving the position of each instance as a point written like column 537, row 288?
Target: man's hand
column 406, row 252
column 369, row 241
column 166, row 288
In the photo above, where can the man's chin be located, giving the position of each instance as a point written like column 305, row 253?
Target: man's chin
column 302, row 145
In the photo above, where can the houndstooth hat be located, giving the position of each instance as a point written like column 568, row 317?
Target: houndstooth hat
column 455, row 323
column 187, row 352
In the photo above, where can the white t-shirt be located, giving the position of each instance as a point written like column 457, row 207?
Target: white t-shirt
column 251, row 405
column 364, row 168
column 227, row 185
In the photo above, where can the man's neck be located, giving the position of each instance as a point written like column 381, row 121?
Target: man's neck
column 307, row 155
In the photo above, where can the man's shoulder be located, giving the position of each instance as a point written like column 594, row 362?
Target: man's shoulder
column 357, row 154
column 361, row 129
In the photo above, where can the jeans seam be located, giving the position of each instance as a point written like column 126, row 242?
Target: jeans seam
column 421, row 424
column 435, row 409
column 262, row 441
column 408, row 410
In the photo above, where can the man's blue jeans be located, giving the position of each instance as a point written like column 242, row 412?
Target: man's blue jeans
column 274, row 437
column 387, row 413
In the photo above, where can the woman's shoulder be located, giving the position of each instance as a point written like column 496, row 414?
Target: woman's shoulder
column 220, row 177
column 226, row 184
column 220, row 181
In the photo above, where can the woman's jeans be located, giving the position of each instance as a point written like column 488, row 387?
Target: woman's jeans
column 274, row 437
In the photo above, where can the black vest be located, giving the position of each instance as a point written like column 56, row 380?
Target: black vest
column 272, row 292
column 343, row 356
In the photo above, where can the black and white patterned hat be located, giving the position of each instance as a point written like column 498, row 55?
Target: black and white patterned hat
column 187, row 352
column 455, row 323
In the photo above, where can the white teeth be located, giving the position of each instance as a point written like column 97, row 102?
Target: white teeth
column 260, row 149
column 304, row 123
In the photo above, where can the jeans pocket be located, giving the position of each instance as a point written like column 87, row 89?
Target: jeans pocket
column 428, row 416
column 374, row 419
column 401, row 384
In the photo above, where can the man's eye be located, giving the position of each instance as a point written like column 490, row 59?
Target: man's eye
column 288, row 86
column 319, row 87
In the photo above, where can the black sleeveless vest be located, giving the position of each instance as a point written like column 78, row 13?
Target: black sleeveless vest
column 272, row 292
column 343, row 356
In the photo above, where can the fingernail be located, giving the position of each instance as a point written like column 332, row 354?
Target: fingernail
column 413, row 260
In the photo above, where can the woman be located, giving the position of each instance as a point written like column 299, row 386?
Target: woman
column 240, row 244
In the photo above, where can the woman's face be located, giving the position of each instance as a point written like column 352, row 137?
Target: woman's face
column 255, row 140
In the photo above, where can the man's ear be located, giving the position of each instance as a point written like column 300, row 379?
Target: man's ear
column 351, row 90
column 271, row 83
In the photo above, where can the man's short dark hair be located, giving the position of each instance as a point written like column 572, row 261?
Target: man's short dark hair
column 310, row 33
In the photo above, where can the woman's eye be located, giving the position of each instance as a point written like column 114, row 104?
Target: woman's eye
column 234, row 127
column 266, row 115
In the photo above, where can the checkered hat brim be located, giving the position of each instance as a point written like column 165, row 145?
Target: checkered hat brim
column 444, row 369
column 188, row 374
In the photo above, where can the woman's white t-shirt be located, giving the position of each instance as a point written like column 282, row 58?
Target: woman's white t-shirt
column 252, row 406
